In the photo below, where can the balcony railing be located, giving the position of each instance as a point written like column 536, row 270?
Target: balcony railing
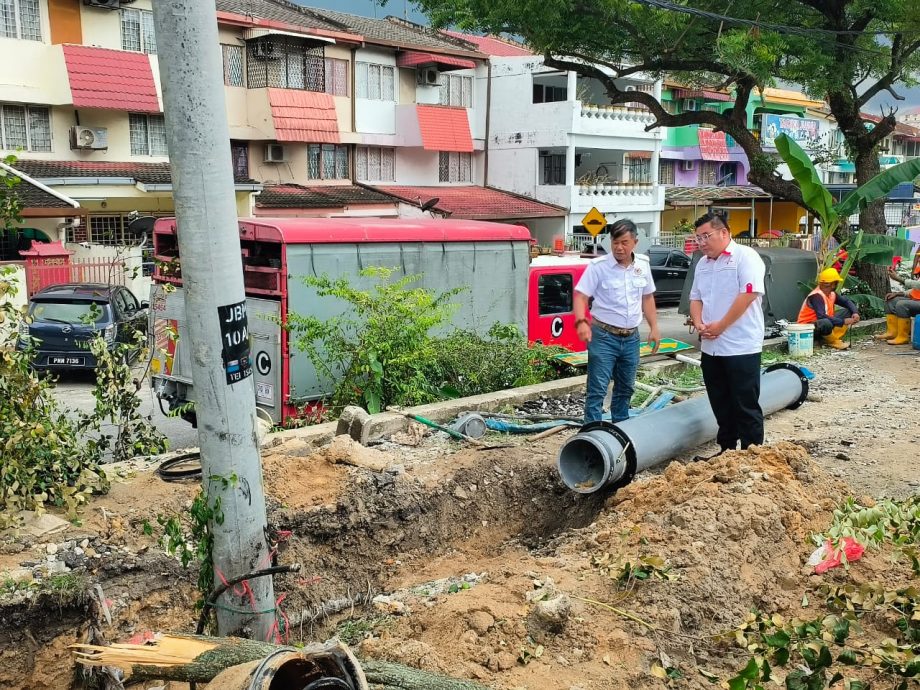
column 615, row 113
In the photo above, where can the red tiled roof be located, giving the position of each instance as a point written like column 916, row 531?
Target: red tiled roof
column 111, row 79
column 146, row 173
column 304, row 116
column 706, row 95
column 476, row 203
column 491, row 45
column 444, row 129
column 414, row 58
column 327, row 196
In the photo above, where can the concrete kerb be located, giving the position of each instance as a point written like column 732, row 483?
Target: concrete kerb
column 377, row 426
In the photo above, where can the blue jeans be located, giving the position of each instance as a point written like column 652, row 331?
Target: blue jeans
column 611, row 356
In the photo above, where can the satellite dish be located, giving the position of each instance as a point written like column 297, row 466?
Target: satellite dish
column 431, row 203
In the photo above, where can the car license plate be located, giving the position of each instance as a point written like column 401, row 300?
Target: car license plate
column 67, row 361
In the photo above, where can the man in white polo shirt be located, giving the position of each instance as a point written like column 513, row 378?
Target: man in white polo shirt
column 623, row 290
column 725, row 308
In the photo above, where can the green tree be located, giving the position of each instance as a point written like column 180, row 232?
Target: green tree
column 845, row 52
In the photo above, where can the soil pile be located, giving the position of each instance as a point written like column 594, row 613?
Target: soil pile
column 723, row 537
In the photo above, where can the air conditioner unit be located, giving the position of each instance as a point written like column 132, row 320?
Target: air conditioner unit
column 429, row 76
column 89, row 138
column 104, row 4
column 274, row 153
column 262, row 50
column 690, row 104
column 686, row 165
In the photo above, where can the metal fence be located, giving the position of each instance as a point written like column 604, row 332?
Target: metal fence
column 58, row 271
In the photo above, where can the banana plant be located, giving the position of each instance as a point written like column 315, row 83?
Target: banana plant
column 861, row 246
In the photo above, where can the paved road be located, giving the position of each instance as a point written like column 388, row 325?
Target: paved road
column 76, row 390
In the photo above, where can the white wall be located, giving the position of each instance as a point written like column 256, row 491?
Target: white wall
column 33, row 72
column 514, row 170
column 377, row 117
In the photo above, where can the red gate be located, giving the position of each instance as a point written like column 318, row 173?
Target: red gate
column 51, row 264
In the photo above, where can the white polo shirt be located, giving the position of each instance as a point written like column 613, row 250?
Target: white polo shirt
column 717, row 283
column 617, row 290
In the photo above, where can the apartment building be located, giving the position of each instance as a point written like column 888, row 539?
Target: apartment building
column 329, row 114
column 554, row 136
column 706, row 169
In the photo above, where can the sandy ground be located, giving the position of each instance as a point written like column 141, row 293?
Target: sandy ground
column 491, row 570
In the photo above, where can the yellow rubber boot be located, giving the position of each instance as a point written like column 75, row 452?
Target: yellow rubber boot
column 891, row 323
column 835, row 341
column 903, row 336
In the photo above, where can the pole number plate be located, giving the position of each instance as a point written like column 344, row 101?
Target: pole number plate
column 234, row 340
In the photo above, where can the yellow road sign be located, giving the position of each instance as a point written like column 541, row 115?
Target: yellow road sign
column 594, row 222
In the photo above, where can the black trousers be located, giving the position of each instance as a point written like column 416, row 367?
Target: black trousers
column 733, row 387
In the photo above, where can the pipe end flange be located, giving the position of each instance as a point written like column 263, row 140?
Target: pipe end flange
column 798, row 372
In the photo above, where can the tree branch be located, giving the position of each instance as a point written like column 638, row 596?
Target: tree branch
column 884, row 83
column 763, row 174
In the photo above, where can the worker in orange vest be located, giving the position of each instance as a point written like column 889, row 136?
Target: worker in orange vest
column 831, row 313
column 901, row 307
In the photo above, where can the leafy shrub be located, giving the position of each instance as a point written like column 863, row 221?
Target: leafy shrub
column 43, row 457
column 467, row 363
column 376, row 351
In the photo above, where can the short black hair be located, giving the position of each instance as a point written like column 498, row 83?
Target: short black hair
column 718, row 219
column 621, row 227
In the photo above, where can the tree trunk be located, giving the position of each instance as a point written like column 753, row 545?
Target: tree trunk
column 382, row 675
column 198, row 659
column 871, row 221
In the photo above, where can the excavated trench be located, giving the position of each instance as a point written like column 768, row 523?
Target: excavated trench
column 501, row 499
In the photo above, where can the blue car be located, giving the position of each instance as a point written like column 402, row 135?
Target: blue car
column 62, row 319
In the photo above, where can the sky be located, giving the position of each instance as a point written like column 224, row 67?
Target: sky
column 372, row 8
column 368, row 8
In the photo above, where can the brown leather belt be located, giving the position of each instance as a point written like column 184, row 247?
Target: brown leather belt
column 614, row 330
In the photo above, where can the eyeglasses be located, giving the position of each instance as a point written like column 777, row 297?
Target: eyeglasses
column 705, row 238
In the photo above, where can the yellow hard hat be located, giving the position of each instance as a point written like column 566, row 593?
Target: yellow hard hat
column 829, row 275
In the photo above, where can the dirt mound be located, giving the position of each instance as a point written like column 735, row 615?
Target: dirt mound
column 731, row 535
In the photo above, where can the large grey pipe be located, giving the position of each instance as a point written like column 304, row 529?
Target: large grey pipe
column 604, row 454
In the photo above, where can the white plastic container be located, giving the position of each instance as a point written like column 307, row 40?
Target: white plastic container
column 801, row 339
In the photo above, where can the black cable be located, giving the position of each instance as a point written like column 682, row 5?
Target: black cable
column 223, row 587
column 167, row 474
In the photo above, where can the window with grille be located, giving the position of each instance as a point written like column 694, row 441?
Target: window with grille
column 327, row 162
column 233, row 65
column 239, row 153
column 106, row 228
column 666, row 172
column 640, row 169
column 552, row 169
column 375, row 82
column 285, row 62
column 336, row 76
column 456, row 91
column 26, row 127
column 455, row 167
column 147, row 134
column 137, row 31
column 20, row 19
column 373, row 164
column 709, row 172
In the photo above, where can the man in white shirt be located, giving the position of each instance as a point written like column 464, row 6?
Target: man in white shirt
column 725, row 308
column 623, row 290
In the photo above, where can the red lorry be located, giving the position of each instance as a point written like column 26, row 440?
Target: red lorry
column 491, row 260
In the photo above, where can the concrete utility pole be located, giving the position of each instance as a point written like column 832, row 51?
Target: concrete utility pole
column 212, row 276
